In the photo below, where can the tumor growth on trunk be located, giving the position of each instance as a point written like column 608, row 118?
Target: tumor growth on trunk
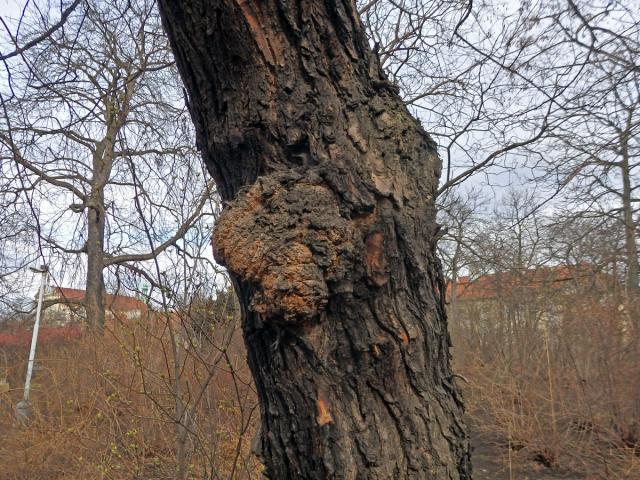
column 285, row 234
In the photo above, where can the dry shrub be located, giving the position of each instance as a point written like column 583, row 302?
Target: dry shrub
column 150, row 398
column 554, row 378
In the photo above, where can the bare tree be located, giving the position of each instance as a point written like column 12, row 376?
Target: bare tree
column 50, row 27
column 595, row 151
column 98, row 144
column 461, row 217
column 464, row 71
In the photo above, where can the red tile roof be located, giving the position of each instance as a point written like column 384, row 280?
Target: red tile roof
column 115, row 303
column 504, row 283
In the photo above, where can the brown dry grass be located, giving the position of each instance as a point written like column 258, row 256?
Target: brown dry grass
column 106, row 406
column 560, row 390
column 553, row 379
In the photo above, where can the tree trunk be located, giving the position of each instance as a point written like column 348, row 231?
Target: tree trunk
column 631, row 247
column 329, row 233
column 102, row 164
column 94, row 290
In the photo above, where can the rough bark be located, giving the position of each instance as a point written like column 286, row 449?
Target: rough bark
column 329, row 233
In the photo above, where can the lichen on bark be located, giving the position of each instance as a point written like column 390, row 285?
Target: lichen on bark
column 286, row 235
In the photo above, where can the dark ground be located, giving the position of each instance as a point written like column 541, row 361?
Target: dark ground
column 489, row 463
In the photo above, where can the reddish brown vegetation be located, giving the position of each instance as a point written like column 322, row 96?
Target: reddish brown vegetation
column 552, row 369
column 20, row 338
column 107, row 407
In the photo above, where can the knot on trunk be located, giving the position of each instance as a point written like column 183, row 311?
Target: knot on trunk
column 286, row 235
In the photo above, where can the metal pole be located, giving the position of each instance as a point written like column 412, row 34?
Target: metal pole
column 22, row 409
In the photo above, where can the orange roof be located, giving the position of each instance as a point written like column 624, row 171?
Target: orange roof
column 116, row 303
column 491, row 285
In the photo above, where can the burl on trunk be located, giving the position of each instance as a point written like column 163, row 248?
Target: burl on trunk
column 329, row 233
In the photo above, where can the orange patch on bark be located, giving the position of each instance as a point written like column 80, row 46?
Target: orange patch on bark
column 363, row 220
column 374, row 259
column 324, row 416
column 257, row 31
column 405, row 338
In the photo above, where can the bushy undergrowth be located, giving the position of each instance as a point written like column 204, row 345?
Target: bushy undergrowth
column 147, row 399
column 548, row 379
column 553, row 378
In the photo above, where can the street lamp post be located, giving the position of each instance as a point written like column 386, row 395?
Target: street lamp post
column 23, row 410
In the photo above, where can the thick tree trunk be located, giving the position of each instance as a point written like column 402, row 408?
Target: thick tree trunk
column 329, row 233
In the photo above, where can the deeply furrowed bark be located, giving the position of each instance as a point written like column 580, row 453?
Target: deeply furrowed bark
column 329, row 234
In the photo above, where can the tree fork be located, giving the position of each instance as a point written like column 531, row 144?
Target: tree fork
column 329, row 234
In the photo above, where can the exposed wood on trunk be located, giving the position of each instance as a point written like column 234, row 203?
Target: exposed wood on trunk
column 329, row 233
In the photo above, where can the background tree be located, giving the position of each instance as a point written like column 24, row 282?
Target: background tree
column 465, row 73
column 596, row 152
column 462, row 219
column 98, row 145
